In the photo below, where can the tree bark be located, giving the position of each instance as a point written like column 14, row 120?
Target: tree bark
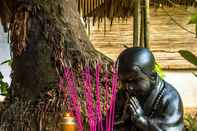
column 45, row 37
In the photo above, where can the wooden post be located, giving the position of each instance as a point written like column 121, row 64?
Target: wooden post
column 147, row 24
column 142, row 33
column 196, row 29
column 136, row 23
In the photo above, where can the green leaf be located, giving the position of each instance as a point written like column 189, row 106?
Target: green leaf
column 3, row 87
column 189, row 56
column 190, row 122
column 1, row 76
column 195, row 74
column 7, row 61
column 193, row 19
column 159, row 71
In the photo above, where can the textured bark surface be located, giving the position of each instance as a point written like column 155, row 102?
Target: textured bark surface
column 45, row 37
column 53, row 28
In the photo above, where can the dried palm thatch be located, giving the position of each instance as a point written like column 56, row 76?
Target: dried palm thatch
column 98, row 8
column 108, row 8
column 121, row 8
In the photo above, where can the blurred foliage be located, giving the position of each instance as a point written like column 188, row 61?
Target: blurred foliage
column 189, row 56
column 159, row 71
column 9, row 62
column 190, row 122
column 193, row 19
column 195, row 74
column 3, row 86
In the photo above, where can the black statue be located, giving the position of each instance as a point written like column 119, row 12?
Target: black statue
column 145, row 102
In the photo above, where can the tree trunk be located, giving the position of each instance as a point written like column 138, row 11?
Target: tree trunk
column 45, row 37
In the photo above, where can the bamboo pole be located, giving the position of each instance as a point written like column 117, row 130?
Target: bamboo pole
column 196, row 29
column 147, row 24
column 136, row 23
column 142, row 33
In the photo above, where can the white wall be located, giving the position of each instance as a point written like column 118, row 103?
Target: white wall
column 186, row 84
column 4, row 55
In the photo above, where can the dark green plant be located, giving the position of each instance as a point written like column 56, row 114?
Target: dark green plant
column 3, row 86
column 193, row 20
column 190, row 122
column 189, row 56
column 9, row 62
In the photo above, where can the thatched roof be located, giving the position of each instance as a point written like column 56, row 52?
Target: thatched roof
column 108, row 8
column 122, row 8
column 101, row 8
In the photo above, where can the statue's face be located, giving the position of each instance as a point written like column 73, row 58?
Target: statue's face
column 136, row 82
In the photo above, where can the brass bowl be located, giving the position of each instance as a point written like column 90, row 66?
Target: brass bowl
column 69, row 124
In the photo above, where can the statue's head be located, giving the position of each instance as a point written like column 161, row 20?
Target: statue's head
column 136, row 70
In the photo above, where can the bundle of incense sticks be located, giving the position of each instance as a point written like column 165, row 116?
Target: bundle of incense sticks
column 72, row 92
column 93, row 108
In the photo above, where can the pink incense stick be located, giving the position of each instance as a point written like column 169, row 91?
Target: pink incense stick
column 98, row 108
column 87, row 79
column 72, row 91
column 106, row 96
column 114, row 86
column 112, row 100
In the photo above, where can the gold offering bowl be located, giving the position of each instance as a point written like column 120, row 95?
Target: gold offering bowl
column 69, row 123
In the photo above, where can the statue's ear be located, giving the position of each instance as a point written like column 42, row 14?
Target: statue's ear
column 135, row 68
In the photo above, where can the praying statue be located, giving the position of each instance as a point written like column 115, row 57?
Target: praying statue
column 145, row 102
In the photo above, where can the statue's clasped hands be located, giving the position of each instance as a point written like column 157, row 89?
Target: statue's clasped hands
column 135, row 109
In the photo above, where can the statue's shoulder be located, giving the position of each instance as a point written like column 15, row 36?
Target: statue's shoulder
column 170, row 93
column 170, row 89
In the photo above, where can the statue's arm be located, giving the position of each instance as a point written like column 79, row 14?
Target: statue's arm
column 169, row 119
